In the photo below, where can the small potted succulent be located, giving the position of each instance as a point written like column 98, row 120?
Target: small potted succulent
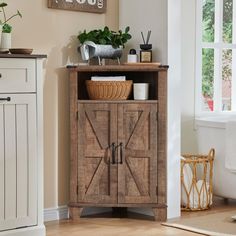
column 103, row 43
column 5, row 27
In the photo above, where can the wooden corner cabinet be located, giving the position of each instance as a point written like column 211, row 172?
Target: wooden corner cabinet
column 118, row 147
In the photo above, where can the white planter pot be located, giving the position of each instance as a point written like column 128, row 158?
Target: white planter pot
column 0, row 34
column 6, row 41
column 90, row 50
column 141, row 91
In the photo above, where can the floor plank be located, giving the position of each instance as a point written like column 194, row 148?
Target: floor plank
column 128, row 224
column 114, row 227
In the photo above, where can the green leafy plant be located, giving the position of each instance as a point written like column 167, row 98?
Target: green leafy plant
column 106, row 37
column 6, row 27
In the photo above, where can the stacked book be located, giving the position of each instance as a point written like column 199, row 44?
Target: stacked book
column 108, row 78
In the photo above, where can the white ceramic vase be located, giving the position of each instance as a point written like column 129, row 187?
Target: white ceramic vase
column 6, row 41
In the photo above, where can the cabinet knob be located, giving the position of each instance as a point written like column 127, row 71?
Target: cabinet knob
column 0, row 75
column 8, row 99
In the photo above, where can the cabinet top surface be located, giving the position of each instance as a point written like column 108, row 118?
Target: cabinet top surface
column 23, row 56
column 122, row 68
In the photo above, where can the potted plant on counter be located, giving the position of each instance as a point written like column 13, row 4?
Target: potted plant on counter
column 103, row 43
column 6, row 28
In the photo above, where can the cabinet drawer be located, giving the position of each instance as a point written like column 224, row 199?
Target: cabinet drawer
column 17, row 75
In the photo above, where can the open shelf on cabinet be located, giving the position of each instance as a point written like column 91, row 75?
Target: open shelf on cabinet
column 138, row 74
column 119, row 101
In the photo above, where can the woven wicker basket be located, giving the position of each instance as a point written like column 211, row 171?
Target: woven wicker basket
column 196, row 181
column 109, row 90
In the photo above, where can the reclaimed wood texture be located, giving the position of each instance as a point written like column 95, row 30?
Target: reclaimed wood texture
column 162, row 136
column 97, row 178
column 74, row 136
column 131, row 205
column 118, row 68
column 139, row 125
column 137, row 131
column 94, row 6
column 160, row 214
column 75, row 212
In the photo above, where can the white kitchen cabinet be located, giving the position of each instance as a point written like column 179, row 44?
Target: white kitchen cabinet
column 21, row 146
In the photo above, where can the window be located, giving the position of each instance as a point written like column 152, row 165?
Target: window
column 216, row 56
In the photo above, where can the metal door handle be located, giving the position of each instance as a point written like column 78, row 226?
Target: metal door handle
column 8, row 99
column 113, row 153
column 121, row 153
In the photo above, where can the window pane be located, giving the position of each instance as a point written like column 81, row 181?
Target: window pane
column 207, row 79
column 227, row 21
column 226, row 79
column 208, row 21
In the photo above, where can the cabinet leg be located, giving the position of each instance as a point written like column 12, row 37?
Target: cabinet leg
column 160, row 214
column 75, row 212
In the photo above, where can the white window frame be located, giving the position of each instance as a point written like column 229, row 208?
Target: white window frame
column 218, row 45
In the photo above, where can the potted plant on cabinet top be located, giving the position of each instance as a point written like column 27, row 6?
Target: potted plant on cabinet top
column 5, row 28
column 103, row 43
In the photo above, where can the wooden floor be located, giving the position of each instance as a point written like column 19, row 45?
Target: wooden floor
column 125, row 225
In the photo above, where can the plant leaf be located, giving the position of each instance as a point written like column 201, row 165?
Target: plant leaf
column 106, row 36
column 6, row 28
column 18, row 12
column 128, row 36
column 106, row 29
column 102, row 41
column 3, row 4
column 127, row 29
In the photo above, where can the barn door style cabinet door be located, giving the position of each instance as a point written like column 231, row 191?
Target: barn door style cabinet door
column 118, row 148
column 21, row 150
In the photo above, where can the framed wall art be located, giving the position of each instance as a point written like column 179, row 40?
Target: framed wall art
column 94, row 6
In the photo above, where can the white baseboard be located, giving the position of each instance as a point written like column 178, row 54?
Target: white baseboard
column 62, row 212
column 58, row 213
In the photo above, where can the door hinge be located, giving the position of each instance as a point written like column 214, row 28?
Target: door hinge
column 157, row 190
column 77, row 189
column 157, row 115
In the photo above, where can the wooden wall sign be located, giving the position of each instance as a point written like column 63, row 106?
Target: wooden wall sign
column 95, row 6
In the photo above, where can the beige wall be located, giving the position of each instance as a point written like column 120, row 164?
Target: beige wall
column 188, row 134
column 53, row 32
column 163, row 18
column 143, row 17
